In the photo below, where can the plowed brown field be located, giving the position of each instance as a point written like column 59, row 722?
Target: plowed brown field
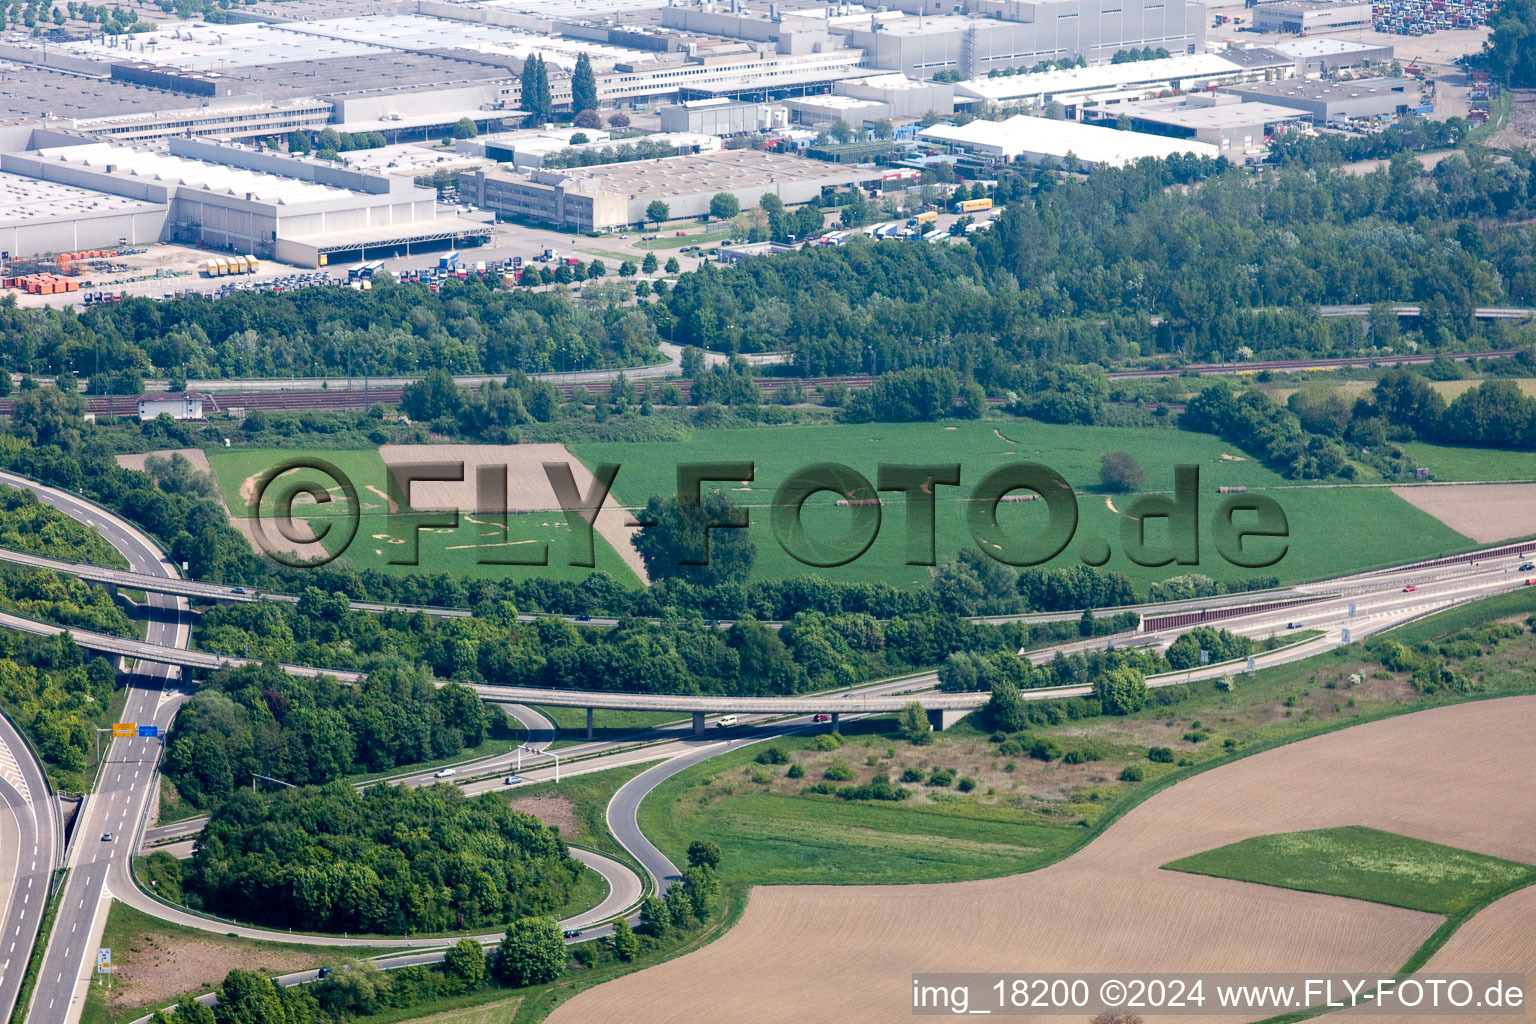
column 845, row 955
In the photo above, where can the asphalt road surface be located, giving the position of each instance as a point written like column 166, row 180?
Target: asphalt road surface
column 29, row 843
column 124, row 787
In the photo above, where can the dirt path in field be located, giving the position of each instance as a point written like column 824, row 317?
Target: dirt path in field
column 845, row 954
column 528, row 487
column 1484, row 512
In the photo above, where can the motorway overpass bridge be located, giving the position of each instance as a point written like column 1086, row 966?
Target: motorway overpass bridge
column 943, row 708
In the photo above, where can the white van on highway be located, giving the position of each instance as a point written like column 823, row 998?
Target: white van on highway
column 725, row 721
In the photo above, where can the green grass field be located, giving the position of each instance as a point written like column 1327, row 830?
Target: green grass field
column 466, row 550
column 1449, row 463
column 1333, row 529
column 1364, row 864
column 1023, row 812
column 676, row 241
column 771, row 837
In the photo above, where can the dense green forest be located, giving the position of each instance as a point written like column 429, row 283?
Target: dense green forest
column 1122, row 264
column 313, row 731
column 1179, row 258
column 469, row 327
column 387, row 860
column 57, row 693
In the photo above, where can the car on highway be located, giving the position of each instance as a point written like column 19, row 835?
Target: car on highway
column 821, row 718
column 445, row 773
column 513, row 780
column 572, row 933
column 237, row 590
column 1530, row 582
column 106, row 837
column 1410, row 588
column 322, row 974
column 1293, row 625
column 583, row 617
column 1527, row 567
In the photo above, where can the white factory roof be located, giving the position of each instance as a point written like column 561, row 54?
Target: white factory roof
column 851, row 104
column 202, row 47
column 26, row 200
column 1041, row 136
column 146, row 165
column 415, row 32
column 563, row 10
column 1309, row 47
column 1097, row 76
column 1217, row 116
column 894, row 81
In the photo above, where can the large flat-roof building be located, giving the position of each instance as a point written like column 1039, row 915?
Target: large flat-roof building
column 1037, row 139
column 1327, row 102
column 1324, row 55
column 613, row 196
column 926, row 37
column 1238, row 130
column 1101, row 84
column 241, row 200
column 1301, row 17
column 721, row 116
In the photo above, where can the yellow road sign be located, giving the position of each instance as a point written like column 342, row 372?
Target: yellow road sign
column 125, row 729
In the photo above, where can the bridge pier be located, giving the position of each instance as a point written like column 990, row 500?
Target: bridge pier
column 942, row 718
column 698, row 724
column 836, row 716
column 589, row 723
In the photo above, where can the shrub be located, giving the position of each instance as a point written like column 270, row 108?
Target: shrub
column 966, row 784
column 879, row 789
column 1132, row 773
column 1081, row 755
column 1196, row 737
column 761, row 777
column 772, row 755
column 826, row 741
column 912, row 773
column 1045, row 749
column 941, row 777
column 826, row 788
column 840, row 771
column 1160, row 755
column 1010, row 748
column 795, row 772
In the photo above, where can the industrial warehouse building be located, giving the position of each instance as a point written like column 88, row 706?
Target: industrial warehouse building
column 1302, row 17
column 1222, row 120
column 215, row 195
column 1111, row 83
column 1037, row 139
column 924, row 37
column 1330, row 102
column 611, row 196
column 720, row 116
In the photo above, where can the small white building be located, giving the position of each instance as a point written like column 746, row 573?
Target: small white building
column 175, row 404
